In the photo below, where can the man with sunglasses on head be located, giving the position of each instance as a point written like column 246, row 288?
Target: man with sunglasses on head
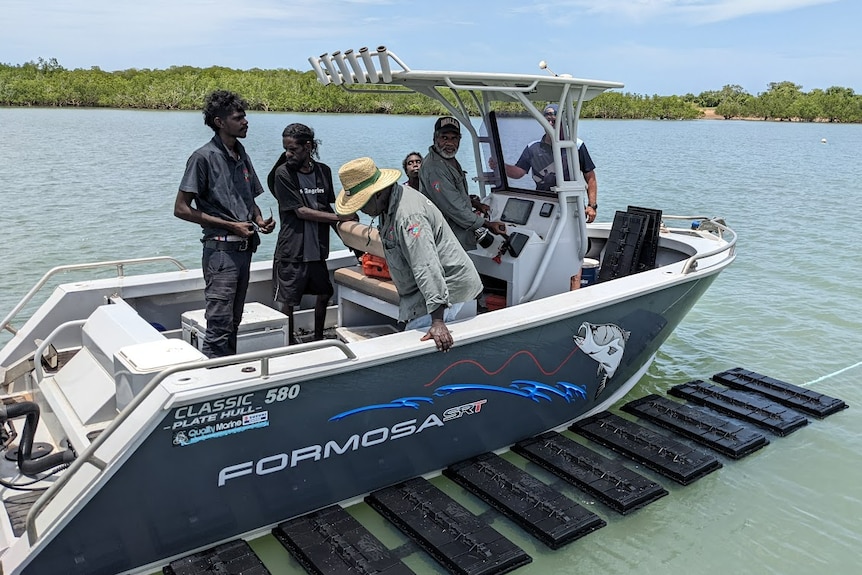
column 538, row 158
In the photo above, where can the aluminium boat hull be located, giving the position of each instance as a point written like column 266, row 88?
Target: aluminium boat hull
column 201, row 475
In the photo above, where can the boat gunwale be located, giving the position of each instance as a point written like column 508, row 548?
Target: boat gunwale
column 553, row 314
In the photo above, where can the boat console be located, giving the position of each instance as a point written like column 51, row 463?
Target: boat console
column 510, row 266
column 547, row 240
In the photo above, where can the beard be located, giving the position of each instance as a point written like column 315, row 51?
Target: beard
column 446, row 155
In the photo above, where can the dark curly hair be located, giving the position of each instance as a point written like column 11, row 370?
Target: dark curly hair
column 221, row 104
column 302, row 134
column 407, row 157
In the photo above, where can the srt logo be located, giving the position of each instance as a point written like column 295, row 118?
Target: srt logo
column 466, row 409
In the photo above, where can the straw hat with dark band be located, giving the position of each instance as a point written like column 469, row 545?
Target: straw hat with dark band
column 361, row 180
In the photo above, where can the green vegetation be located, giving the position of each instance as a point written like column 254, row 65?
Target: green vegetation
column 784, row 101
column 46, row 83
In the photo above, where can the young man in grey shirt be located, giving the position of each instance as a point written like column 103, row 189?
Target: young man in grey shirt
column 221, row 181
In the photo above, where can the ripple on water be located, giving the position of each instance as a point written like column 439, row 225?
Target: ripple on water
column 788, row 307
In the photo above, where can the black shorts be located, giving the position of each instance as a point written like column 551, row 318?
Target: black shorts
column 291, row 280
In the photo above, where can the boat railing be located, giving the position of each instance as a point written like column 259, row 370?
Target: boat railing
column 88, row 455
column 45, row 344
column 119, row 264
column 705, row 224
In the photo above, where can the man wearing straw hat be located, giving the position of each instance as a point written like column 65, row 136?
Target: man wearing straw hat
column 432, row 272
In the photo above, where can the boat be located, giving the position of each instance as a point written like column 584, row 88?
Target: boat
column 126, row 448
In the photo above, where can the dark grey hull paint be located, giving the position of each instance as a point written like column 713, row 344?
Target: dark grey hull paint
column 166, row 499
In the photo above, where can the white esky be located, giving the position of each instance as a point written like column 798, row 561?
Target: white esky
column 659, row 47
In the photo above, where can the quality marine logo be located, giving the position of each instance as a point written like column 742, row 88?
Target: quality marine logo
column 221, row 429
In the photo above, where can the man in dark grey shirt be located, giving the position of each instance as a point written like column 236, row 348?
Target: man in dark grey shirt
column 443, row 181
column 221, row 181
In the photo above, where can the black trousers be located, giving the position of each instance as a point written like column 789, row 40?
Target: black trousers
column 226, row 274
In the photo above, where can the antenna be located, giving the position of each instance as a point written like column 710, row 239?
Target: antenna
column 544, row 66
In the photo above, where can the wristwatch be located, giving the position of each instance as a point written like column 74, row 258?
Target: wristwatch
column 594, row 206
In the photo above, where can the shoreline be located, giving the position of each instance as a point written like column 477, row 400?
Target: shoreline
column 709, row 114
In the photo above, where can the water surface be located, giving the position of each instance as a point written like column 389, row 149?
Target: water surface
column 87, row 185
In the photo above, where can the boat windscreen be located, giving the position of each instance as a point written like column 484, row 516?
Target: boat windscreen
column 504, row 140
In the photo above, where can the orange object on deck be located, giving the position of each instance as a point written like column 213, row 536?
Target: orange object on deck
column 375, row 267
column 495, row 301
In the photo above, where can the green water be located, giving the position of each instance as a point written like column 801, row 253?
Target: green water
column 87, row 185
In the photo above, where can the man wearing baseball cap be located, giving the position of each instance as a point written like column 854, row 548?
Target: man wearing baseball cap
column 432, row 272
column 444, row 182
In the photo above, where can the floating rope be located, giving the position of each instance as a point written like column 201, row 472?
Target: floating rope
column 833, row 374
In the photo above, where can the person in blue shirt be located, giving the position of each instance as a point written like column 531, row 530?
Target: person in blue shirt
column 538, row 159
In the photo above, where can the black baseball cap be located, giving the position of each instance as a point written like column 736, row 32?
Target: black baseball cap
column 447, row 124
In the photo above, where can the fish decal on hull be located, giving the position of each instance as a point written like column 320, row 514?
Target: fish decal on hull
column 605, row 343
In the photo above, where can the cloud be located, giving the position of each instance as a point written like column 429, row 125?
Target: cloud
column 650, row 44
column 118, row 34
column 692, row 11
column 707, row 12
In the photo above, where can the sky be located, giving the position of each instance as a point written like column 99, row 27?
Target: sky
column 662, row 47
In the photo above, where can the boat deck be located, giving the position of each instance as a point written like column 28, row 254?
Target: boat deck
column 681, row 442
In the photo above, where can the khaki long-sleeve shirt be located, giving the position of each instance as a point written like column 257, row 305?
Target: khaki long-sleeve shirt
column 427, row 263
